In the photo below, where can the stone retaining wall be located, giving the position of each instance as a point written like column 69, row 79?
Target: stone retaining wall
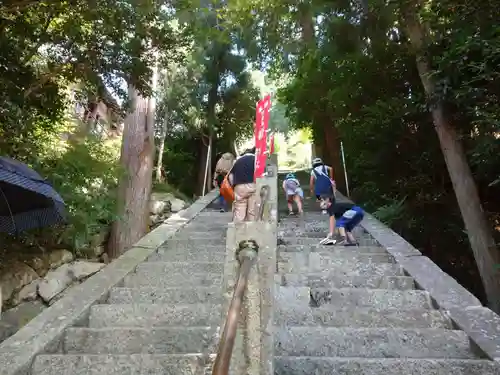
column 480, row 323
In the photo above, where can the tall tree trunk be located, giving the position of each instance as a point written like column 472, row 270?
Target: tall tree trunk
column 332, row 155
column 163, row 136
column 137, row 159
column 306, row 22
column 161, row 150
column 481, row 240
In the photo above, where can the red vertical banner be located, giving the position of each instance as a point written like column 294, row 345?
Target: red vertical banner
column 261, row 125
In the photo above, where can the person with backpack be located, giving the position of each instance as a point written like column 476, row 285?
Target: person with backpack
column 348, row 217
column 222, row 168
column 293, row 192
column 241, row 177
column 321, row 183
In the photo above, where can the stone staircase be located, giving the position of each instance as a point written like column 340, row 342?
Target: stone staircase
column 338, row 310
column 355, row 312
column 165, row 317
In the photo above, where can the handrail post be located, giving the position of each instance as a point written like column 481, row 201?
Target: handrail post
column 253, row 346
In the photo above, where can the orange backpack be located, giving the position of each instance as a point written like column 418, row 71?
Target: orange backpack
column 226, row 190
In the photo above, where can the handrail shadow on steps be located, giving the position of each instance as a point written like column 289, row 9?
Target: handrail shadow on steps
column 246, row 253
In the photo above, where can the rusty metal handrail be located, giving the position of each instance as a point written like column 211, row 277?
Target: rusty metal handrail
column 246, row 255
column 265, row 191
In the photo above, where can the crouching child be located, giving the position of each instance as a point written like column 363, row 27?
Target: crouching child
column 344, row 217
column 293, row 192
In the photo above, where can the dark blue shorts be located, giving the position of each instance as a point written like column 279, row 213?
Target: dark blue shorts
column 350, row 223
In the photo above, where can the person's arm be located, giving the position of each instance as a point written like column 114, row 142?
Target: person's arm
column 283, row 186
column 331, row 226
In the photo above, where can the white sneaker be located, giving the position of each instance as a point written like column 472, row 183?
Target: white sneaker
column 324, row 212
column 328, row 241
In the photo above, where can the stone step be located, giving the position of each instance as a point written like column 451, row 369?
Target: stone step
column 199, row 238
column 318, row 280
column 337, row 316
column 359, row 256
column 182, row 245
column 200, row 234
column 185, row 295
column 214, row 254
column 173, row 279
column 389, row 366
column 290, row 341
column 360, row 269
column 136, row 340
column 315, row 262
column 377, row 298
column 294, row 233
column 332, row 249
column 315, row 241
column 151, row 315
column 166, row 295
column 187, row 268
column 206, row 227
column 372, row 343
column 135, row 364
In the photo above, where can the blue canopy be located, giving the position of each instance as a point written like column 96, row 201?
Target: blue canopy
column 26, row 199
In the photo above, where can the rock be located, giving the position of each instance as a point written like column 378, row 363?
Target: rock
column 15, row 275
column 92, row 252
column 59, row 257
column 44, row 261
column 99, row 250
column 58, row 280
column 105, row 258
column 27, row 293
column 156, row 207
column 175, row 204
column 39, row 263
column 99, row 239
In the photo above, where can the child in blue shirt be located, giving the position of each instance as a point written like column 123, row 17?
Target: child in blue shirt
column 348, row 217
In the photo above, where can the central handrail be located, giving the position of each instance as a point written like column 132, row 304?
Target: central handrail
column 265, row 192
column 246, row 255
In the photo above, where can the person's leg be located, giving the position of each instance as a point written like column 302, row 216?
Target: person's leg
column 341, row 224
column 289, row 203
column 251, row 201
column 298, row 200
column 240, row 204
column 353, row 222
column 351, row 239
column 221, row 201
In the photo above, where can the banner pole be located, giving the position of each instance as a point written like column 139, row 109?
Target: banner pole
column 209, row 151
column 345, row 169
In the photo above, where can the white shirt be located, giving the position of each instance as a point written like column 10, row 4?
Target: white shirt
column 321, row 169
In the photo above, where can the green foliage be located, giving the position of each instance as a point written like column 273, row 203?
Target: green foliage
column 391, row 212
column 179, row 159
column 86, row 176
column 357, row 73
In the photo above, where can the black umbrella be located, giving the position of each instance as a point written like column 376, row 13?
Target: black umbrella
column 26, row 200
